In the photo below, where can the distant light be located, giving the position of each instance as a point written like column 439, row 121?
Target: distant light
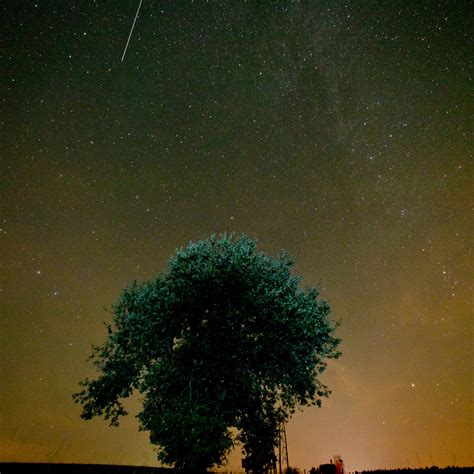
column 413, row 385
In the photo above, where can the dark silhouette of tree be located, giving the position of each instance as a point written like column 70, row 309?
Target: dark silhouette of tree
column 225, row 338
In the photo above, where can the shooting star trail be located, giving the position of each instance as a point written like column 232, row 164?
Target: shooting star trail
column 131, row 30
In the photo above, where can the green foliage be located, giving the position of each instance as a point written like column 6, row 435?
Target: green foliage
column 225, row 338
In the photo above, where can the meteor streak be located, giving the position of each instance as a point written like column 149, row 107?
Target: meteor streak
column 131, row 30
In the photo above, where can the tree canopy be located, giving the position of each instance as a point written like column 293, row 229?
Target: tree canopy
column 225, row 341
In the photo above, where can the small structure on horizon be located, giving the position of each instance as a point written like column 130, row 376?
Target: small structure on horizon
column 335, row 466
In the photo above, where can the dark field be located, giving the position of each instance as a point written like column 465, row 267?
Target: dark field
column 426, row 470
column 43, row 468
column 32, row 468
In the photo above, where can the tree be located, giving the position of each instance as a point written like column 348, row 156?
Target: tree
column 225, row 338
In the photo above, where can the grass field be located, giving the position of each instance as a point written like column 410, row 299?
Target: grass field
column 33, row 468
column 37, row 468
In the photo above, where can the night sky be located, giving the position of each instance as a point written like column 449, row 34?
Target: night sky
column 338, row 131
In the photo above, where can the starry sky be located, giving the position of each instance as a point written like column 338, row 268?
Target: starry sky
column 337, row 130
